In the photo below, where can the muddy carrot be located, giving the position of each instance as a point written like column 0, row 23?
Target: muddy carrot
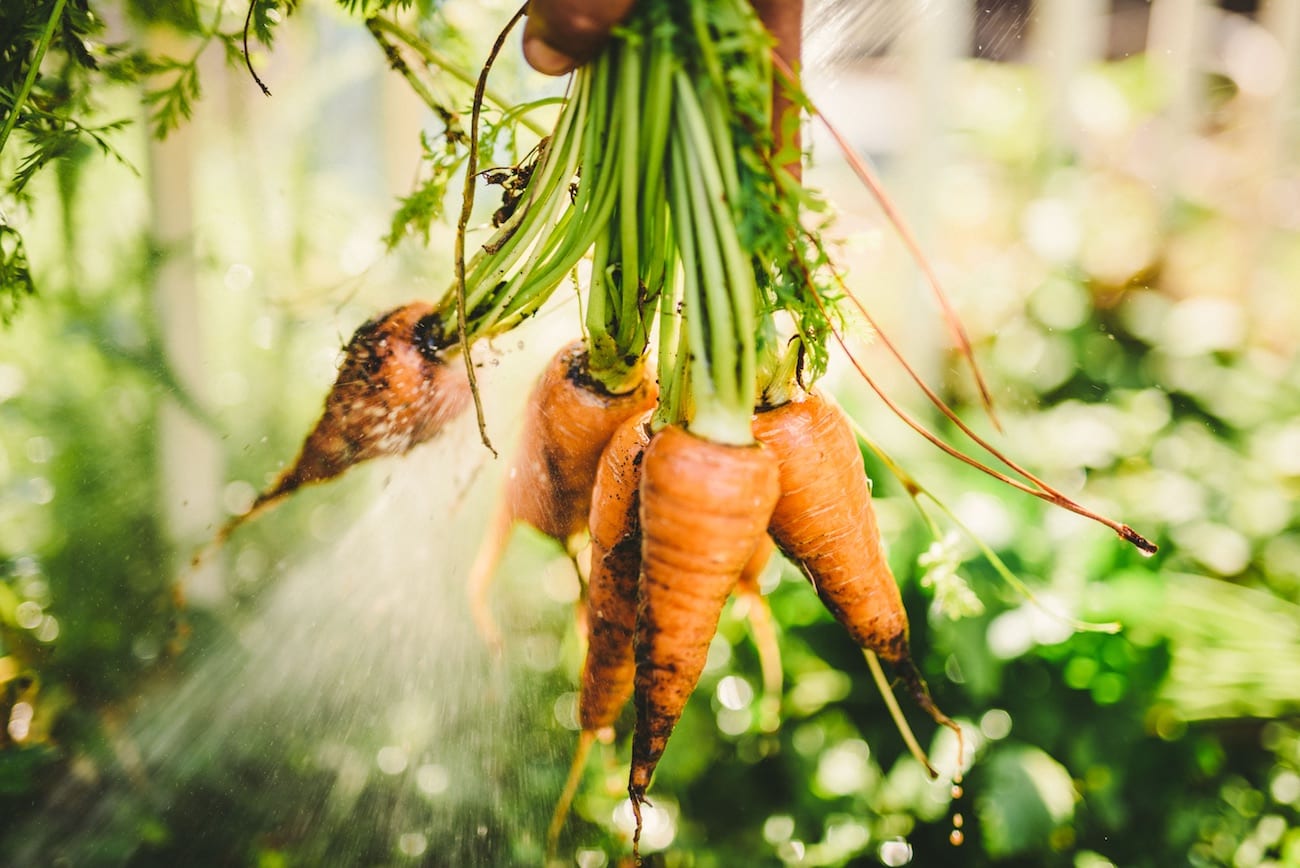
column 607, row 671
column 704, row 508
column 568, row 420
column 395, row 389
column 825, row 523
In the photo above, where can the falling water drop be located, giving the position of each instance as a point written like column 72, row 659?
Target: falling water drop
column 896, row 852
column 413, row 843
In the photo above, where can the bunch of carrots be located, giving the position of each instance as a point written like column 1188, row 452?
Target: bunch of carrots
column 683, row 434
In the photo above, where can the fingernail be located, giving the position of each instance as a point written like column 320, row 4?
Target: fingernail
column 546, row 59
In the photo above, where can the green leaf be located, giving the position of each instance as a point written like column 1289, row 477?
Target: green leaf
column 267, row 14
column 172, row 105
column 1028, row 796
column 15, row 275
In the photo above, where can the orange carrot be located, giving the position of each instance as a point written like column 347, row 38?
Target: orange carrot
column 394, row 390
column 569, row 419
column 704, row 508
column 825, row 523
column 607, row 674
column 607, row 670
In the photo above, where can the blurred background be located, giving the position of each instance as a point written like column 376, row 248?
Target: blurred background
column 1110, row 192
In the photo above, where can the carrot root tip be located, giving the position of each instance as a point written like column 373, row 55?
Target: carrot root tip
column 1143, row 544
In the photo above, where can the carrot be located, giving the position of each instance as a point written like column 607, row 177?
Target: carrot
column 607, row 674
column 704, row 508
column 762, row 629
column 607, row 670
column 394, row 390
column 569, row 419
column 825, row 523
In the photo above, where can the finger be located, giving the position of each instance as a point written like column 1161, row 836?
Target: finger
column 561, row 35
column 784, row 20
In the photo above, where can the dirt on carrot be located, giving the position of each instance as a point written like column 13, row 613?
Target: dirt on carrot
column 568, row 421
column 825, row 523
column 395, row 389
column 607, row 673
column 608, row 667
column 704, row 508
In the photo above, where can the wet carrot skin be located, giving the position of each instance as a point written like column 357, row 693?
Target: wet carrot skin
column 607, row 674
column 569, row 421
column 825, row 522
column 395, row 389
column 704, row 509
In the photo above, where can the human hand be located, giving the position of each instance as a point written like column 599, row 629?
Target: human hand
column 561, row 35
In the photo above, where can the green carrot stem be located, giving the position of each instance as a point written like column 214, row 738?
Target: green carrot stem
column 432, row 57
column 740, row 286
column 671, row 354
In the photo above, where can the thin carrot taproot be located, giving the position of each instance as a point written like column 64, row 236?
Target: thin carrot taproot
column 762, row 630
column 612, row 588
column 568, row 421
column 826, row 524
column 611, row 605
column 704, row 508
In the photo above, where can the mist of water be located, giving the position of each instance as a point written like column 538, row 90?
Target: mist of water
column 354, row 717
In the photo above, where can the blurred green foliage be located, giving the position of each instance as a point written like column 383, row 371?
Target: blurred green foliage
column 1140, row 342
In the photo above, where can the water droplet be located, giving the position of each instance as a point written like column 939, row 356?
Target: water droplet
column 39, row 450
column 657, row 827
column 391, row 760
column 238, row 277
column 956, row 838
column 49, row 629
column 20, row 721
column 791, row 851
column 12, row 382
column 40, row 491
column 591, row 858
column 28, row 615
column 733, row 722
column 779, row 827
column 896, row 852
column 146, row 647
column 413, row 843
column 719, row 653
column 238, row 497
column 734, row 693
column 560, row 582
column 995, row 724
column 958, row 821
column 957, row 791
column 432, row 779
column 566, row 711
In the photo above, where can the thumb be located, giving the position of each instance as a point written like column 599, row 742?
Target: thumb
column 561, row 35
